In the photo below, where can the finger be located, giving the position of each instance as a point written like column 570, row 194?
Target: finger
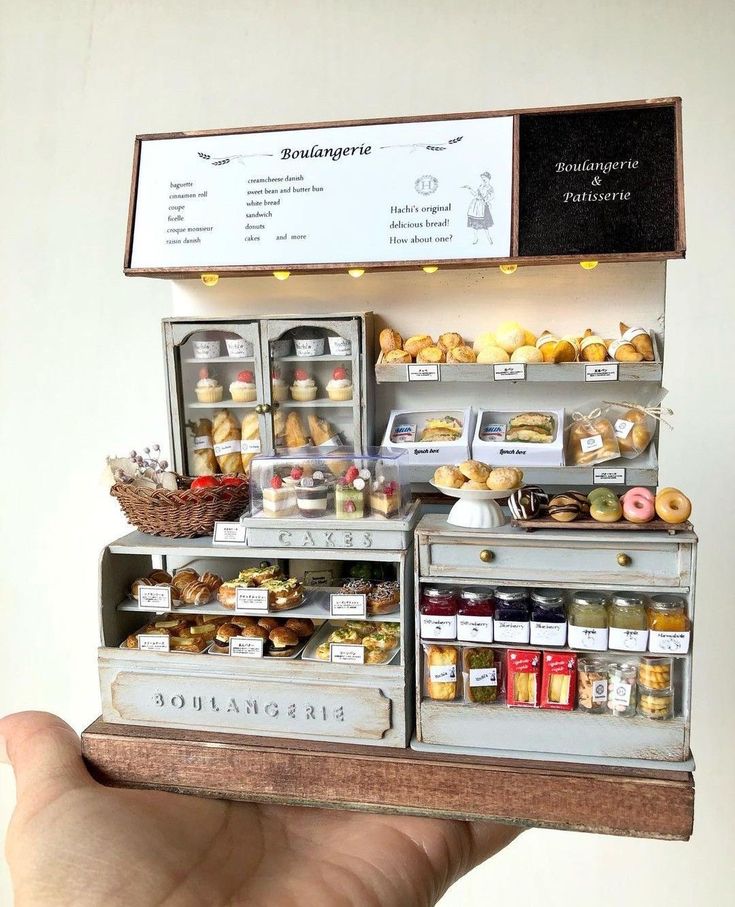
column 44, row 753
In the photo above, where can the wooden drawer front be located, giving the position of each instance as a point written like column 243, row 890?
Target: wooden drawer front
column 650, row 565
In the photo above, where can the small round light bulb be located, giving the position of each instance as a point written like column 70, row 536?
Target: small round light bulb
column 508, row 269
column 588, row 265
column 281, row 275
column 210, row 280
column 356, row 272
column 430, row 269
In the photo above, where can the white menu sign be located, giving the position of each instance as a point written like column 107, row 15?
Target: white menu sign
column 422, row 191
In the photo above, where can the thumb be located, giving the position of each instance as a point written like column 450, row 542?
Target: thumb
column 44, row 753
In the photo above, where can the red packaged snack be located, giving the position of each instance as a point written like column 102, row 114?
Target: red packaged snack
column 559, row 680
column 523, row 669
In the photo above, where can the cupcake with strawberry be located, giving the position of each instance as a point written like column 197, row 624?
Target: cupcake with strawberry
column 208, row 389
column 340, row 386
column 304, row 386
column 279, row 388
column 242, row 389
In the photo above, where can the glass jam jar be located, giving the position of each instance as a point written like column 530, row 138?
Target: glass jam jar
column 621, row 689
column 588, row 621
column 548, row 617
column 592, row 684
column 628, row 624
column 439, row 606
column 512, row 615
column 668, row 624
column 475, row 615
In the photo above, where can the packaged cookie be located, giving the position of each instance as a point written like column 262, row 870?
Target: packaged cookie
column 441, row 674
column 481, row 675
column 558, row 680
column 523, row 678
column 590, row 440
column 633, row 425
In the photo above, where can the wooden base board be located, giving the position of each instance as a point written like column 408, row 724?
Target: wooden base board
column 644, row 803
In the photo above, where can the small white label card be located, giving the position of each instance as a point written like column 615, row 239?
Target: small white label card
column 594, row 442
column 474, row 629
column 603, row 476
column 229, row 533
column 438, row 626
column 512, row 630
column 628, row 640
column 347, row 605
column 483, row 677
column 548, row 633
column 423, row 372
column 202, row 442
column 250, row 446
column 251, row 600
column 620, row 694
column 599, row 691
column 246, row 646
column 346, row 653
column 589, row 638
column 514, row 371
column 622, row 427
column 154, row 598
column 154, row 642
column 226, row 447
column 667, row 642
column 443, row 673
column 600, row 372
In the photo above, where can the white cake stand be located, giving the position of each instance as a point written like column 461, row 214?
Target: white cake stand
column 475, row 507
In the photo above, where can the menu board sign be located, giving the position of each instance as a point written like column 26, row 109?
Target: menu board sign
column 414, row 191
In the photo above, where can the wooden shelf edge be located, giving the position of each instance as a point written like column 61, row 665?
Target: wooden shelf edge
column 628, row 802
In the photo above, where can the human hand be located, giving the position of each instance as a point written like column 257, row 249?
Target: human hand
column 74, row 841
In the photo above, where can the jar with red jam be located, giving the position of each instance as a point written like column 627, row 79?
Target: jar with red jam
column 475, row 615
column 439, row 606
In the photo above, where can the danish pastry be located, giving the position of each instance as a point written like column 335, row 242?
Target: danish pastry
column 474, row 470
column 504, row 478
column 449, row 477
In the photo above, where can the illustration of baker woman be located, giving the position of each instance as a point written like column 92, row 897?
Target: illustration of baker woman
column 478, row 214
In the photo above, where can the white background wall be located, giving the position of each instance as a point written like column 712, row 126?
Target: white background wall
column 80, row 364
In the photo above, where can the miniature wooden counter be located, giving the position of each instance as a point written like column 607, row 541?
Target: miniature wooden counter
column 645, row 803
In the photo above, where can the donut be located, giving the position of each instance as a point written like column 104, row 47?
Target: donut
column 528, row 502
column 606, row 508
column 475, row 471
column 672, row 505
column 600, row 492
column 449, row 477
column 638, row 505
column 504, row 478
column 581, row 499
column 564, row 508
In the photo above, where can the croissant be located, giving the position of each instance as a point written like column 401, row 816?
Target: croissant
column 226, row 436
column 196, row 593
column 250, row 432
column 204, row 462
column 211, row 580
column 640, row 338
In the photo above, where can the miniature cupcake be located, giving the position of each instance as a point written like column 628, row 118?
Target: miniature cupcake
column 242, row 390
column 279, row 388
column 208, row 389
column 303, row 387
column 340, row 386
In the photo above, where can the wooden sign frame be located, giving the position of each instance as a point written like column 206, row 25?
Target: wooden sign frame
column 330, row 267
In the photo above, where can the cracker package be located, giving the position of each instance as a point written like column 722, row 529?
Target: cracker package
column 558, row 680
column 523, row 678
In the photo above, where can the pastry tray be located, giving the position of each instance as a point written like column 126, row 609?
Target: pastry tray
column 321, row 636
column 210, row 650
column 586, row 522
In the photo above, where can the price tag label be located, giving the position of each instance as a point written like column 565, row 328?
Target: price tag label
column 346, row 653
column 348, row 605
column 251, row 600
column 226, row 447
column 423, row 372
column 443, row 673
column 594, row 442
column 154, row 642
column 202, row 442
column 602, row 476
column 607, row 372
column 229, row 533
column 246, row 646
column 514, row 371
column 154, row 598
column 483, row 677
column 622, row 428
column 250, row 446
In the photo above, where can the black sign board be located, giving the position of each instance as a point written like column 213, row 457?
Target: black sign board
column 599, row 182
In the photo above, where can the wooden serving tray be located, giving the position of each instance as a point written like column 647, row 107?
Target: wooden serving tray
column 586, row 522
column 634, row 802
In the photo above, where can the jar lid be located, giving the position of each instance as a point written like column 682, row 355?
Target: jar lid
column 624, row 667
column 627, row 601
column 438, row 591
column 589, row 598
column 547, row 596
column 474, row 595
column 509, row 594
column 668, row 603
column 594, row 663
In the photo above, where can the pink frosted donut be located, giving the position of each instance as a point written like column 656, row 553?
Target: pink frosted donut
column 638, row 505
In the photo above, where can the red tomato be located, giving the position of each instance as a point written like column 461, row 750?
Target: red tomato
column 205, row 482
column 231, row 480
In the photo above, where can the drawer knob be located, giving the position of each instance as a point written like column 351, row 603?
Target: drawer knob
column 625, row 560
column 486, row 555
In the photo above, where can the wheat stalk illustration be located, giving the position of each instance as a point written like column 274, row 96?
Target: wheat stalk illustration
column 442, row 146
column 220, row 161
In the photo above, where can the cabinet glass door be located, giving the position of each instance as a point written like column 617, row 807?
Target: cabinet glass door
column 216, row 395
column 316, row 389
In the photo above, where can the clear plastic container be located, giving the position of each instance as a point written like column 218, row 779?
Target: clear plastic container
column 621, row 689
column 442, row 674
column 655, row 704
column 340, row 484
column 592, row 684
column 655, row 673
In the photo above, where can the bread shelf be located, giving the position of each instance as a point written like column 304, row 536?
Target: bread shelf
column 327, row 357
column 315, row 606
column 324, row 402
column 223, row 404
column 225, row 359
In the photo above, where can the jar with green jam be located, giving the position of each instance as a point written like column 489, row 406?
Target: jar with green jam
column 628, row 623
column 587, row 629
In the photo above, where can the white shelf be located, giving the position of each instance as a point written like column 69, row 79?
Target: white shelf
column 223, row 404
column 582, row 653
column 316, row 606
column 327, row 357
column 220, row 359
column 311, row 404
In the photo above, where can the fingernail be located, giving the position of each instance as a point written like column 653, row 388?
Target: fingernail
column 4, row 760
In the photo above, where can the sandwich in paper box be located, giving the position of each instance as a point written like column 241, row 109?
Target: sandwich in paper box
column 514, row 438
column 430, row 436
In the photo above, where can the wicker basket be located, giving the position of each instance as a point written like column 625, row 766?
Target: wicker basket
column 183, row 513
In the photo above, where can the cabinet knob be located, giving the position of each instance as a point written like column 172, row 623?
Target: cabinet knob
column 625, row 560
column 262, row 408
column 486, row 555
